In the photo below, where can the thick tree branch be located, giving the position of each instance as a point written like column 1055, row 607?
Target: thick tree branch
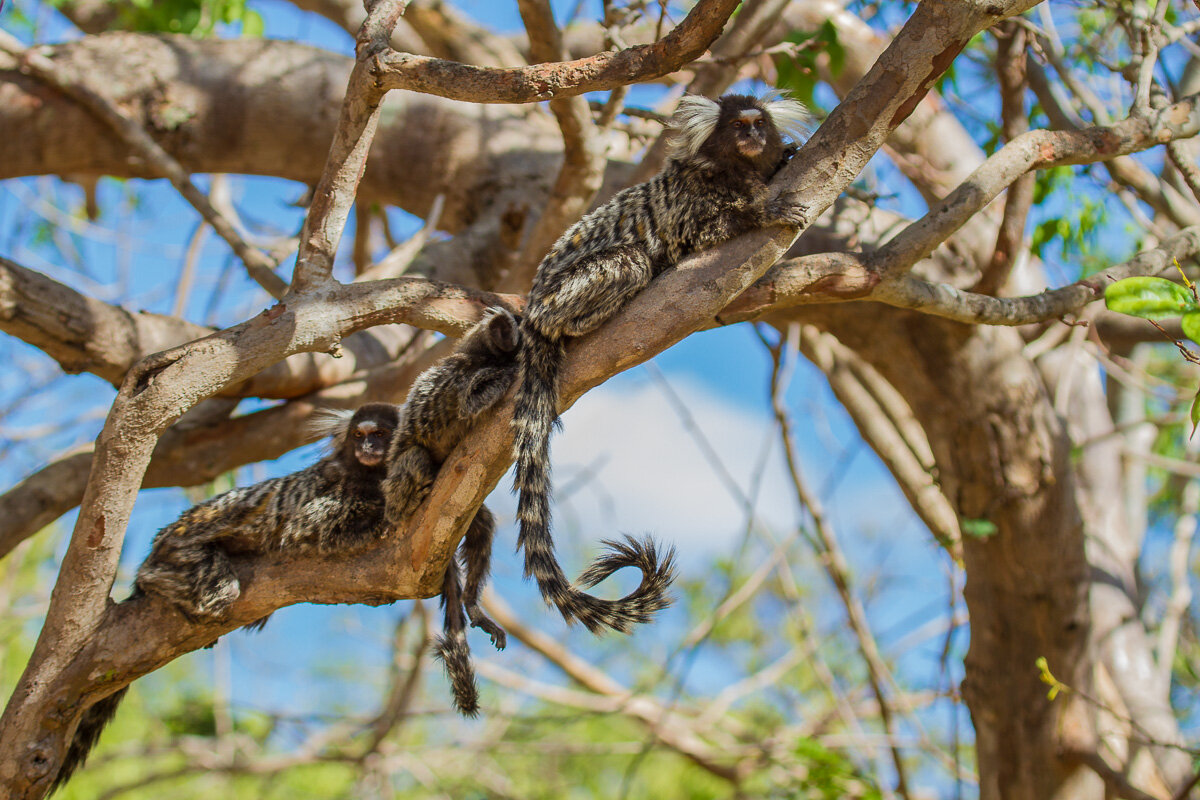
column 87, row 335
column 260, row 266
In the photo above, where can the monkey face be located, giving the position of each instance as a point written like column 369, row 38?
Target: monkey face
column 749, row 129
column 369, row 433
column 370, row 442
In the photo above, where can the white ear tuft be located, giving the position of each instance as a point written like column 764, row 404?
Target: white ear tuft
column 694, row 121
column 329, row 422
column 791, row 117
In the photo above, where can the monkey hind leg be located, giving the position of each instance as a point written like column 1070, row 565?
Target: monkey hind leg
column 94, row 720
column 476, row 552
column 583, row 294
column 200, row 581
column 452, row 648
column 410, row 476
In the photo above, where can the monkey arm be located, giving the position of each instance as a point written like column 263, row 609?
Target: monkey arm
column 410, row 475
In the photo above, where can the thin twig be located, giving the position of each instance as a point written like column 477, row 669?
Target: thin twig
column 834, row 563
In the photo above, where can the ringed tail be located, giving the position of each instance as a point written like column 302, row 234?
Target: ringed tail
column 534, row 417
column 93, row 721
column 451, row 647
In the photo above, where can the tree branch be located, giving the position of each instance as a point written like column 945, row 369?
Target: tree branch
column 259, row 265
column 1033, row 150
column 602, row 71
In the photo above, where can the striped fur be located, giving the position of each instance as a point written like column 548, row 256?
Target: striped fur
column 334, row 505
column 94, row 720
column 443, row 404
column 713, row 187
column 451, row 647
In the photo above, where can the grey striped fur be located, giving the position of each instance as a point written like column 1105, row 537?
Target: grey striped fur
column 713, row 187
column 444, row 402
column 334, row 505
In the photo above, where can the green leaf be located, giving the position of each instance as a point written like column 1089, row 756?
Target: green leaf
column 1149, row 298
column 252, row 25
column 1191, row 325
column 1195, row 414
column 978, row 528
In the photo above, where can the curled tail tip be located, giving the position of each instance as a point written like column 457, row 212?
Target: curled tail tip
column 640, row 605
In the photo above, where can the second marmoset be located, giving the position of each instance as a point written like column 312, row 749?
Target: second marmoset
column 335, row 505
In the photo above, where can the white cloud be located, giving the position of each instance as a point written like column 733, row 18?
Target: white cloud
column 627, row 461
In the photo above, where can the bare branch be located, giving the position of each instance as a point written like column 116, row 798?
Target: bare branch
column 943, row 300
column 562, row 79
column 334, row 196
column 895, row 437
column 1010, row 73
column 584, row 149
column 87, row 335
column 833, row 561
column 1115, row 780
column 1033, row 150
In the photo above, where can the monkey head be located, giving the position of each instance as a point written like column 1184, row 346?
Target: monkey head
column 360, row 437
column 737, row 129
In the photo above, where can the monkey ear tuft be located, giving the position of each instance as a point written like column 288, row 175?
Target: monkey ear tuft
column 791, row 116
column 694, row 121
column 329, row 422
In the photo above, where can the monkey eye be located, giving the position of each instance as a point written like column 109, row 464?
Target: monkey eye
column 758, row 123
column 737, row 123
column 358, row 434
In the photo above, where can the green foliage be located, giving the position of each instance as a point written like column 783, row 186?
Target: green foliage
column 797, row 70
column 977, row 528
column 830, row 775
column 195, row 17
column 1150, row 298
column 1073, row 233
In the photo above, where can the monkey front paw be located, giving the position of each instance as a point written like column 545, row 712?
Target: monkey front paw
column 786, row 209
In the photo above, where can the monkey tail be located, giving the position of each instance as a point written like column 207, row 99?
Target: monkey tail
column 93, row 721
column 534, row 417
column 452, row 648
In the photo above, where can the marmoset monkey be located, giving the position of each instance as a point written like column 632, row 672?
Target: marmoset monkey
column 335, row 505
column 714, row 187
column 445, row 400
